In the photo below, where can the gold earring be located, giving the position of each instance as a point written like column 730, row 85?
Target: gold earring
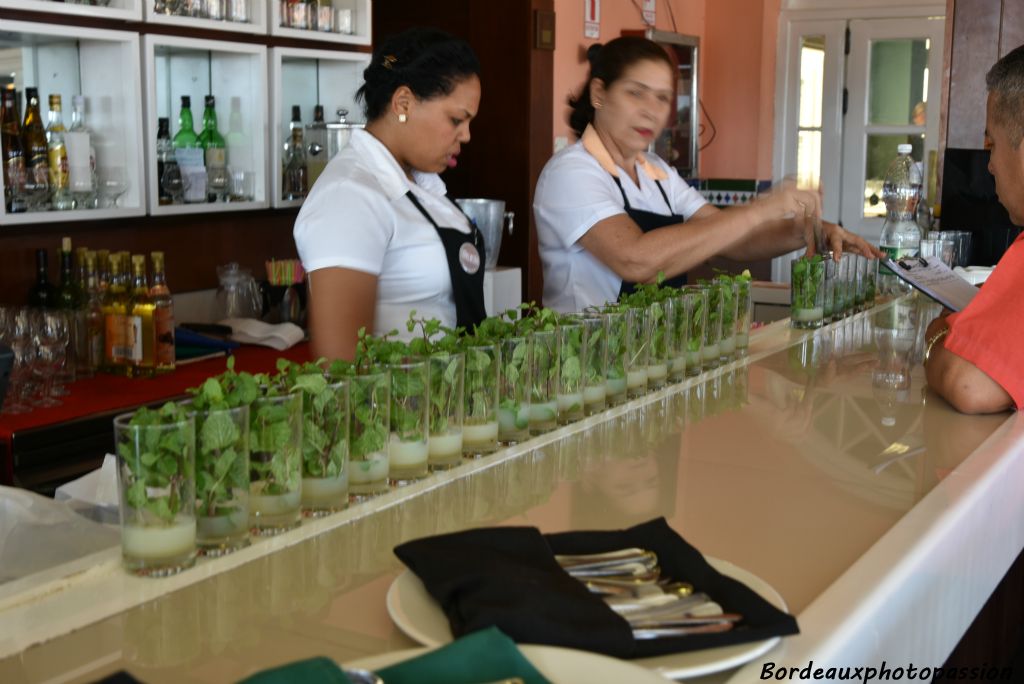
column 402, row 118
column 597, row 105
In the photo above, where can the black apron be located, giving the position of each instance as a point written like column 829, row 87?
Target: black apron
column 648, row 221
column 466, row 258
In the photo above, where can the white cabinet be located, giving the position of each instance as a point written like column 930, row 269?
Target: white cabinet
column 254, row 12
column 307, row 78
column 357, row 14
column 236, row 75
column 129, row 10
column 104, row 67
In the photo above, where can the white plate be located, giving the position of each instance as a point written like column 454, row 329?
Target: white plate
column 558, row 665
column 422, row 620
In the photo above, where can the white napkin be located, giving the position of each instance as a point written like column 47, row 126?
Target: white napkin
column 278, row 336
column 974, row 274
column 98, row 488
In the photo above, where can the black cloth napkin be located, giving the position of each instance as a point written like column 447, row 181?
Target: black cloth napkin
column 507, row 577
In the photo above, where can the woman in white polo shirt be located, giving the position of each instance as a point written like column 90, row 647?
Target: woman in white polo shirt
column 610, row 215
column 377, row 234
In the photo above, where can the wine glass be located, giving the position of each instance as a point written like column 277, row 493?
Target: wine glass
column 113, row 182
column 51, row 331
column 173, row 183
column 217, row 181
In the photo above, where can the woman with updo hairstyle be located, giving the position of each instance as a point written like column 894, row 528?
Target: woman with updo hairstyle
column 611, row 214
column 377, row 234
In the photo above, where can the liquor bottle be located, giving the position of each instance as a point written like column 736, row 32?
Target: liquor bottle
column 188, row 154
column 117, row 344
column 316, row 145
column 92, row 358
column 69, row 297
column 239, row 155
column 163, row 315
column 13, row 152
column 168, row 175
column 296, row 175
column 81, row 176
column 186, row 137
column 103, row 270
column 57, row 156
column 212, row 142
column 42, row 293
column 33, row 138
column 140, row 321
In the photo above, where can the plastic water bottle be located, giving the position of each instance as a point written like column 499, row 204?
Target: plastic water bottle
column 901, row 236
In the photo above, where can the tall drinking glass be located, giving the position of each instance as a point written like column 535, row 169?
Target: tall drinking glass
column 679, row 308
column 638, row 349
column 408, row 450
column 156, row 483
column 698, row 328
column 807, row 282
column 595, row 363
column 711, row 352
column 447, row 406
column 730, row 310
column 325, row 447
column 617, row 327
column 545, row 376
column 275, row 462
column 516, row 385
column 572, row 347
column 744, row 313
column 658, row 353
column 369, row 428
column 480, row 422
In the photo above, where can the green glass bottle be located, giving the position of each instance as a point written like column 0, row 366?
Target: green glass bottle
column 186, row 136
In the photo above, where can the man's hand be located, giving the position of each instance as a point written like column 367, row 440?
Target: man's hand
column 840, row 240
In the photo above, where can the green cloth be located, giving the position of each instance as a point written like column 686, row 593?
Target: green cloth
column 484, row 656
column 313, row 671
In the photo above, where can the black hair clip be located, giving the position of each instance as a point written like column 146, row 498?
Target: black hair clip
column 921, row 261
column 389, row 61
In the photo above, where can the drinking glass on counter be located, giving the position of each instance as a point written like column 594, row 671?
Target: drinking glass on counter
column 275, row 462
column 408, row 447
column 544, row 373
column 447, row 405
column 962, row 245
column 51, row 334
column 16, row 332
column 638, row 347
column 744, row 314
column 515, row 382
column 711, row 350
column 617, row 328
column 594, row 363
column 679, row 310
column 571, row 348
column 807, row 292
column 480, row 418
column 730, row 308
column 658, row 352
column 369, row 427
column 156, row 485
column 325, row 446
column 938, row 247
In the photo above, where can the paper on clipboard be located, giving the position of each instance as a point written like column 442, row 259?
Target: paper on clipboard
column 935, row 279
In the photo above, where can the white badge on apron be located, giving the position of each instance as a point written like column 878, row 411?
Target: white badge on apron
column 469, row 258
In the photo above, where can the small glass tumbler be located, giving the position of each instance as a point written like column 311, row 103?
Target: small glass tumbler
column 369, row 427
column 860, row 265
column 480, row 419
column 447, row 406
column 275, row 463
column 617, row 331
column 156, row 484
column 545, row 376
column 594, row 363
column 222, row 478
column 638, row 350
column 730, row 309
column 515, row 383
column 572, row 347
column 744, row 313
column 938, row 247
column 711, row 351
column 807, row 282
column 678, row 311
column 698, row 327
column 325, row 447
column 658, row 358
column 408, row 446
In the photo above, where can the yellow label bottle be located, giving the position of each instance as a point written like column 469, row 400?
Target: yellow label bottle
column 140, row 321
column 163, row 315
column 117, row 348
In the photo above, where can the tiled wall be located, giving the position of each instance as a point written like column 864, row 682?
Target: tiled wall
column 728, row 192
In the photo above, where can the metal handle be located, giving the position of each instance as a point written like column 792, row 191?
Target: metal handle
column 510, row 216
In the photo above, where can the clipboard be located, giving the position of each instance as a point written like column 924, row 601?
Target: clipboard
column 935, row 279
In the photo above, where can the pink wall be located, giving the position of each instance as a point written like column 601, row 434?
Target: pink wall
column 737, row 71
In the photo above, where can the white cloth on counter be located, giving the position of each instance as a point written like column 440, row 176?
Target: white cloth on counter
column 573, row 193
column 37, row 533
column 279, row 336
column 975, row 275
column 358, row 217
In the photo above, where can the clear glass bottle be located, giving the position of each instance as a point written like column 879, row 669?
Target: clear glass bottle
column 296, row 175
column 69, row 297
column 212, row 143
column 163, row 316
column 92, row 358
column 37, row 168
column 140, row 321
column 901, row 236
column 13, row 152
column 170, row 189
column 83, row 186
column 57, row 156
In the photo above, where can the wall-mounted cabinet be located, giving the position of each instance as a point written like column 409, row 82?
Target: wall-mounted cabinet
column 102, row 66
column 128, row 10
column 236, row 75
column 305, row 78
column 241, row 16
column 338, row 21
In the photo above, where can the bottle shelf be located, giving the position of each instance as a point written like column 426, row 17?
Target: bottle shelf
column 127, row 10
column 307, row 78
column 236, row 75
column 104, row 67
column 256, row 24
column 357, row 13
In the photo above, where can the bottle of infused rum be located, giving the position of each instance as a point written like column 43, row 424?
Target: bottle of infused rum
column 140, row 321
column 37, row 169
column 13, row 152
column 57, row 157
column 117, row 343
column 163, row 315
column 93, row 313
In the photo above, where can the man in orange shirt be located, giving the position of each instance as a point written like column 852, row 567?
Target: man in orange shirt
column 975, row 358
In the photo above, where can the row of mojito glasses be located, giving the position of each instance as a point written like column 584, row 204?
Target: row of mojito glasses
column 38, row 339
column 251, row 454
column 823, row 290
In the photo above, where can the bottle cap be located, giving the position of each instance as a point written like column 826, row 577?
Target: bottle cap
column 904, row 148
column 296, row 113
column 163, row 124
column 54, row 100
column 209, row 101
column 318, row 113
column 186, row 102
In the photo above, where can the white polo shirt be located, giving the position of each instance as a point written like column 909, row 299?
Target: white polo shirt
column 358, row 217
column 576, row 190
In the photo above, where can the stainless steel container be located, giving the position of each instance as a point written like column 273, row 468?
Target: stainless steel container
column 490, row 216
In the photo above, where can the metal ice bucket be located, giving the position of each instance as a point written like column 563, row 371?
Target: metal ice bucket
column 489, row 216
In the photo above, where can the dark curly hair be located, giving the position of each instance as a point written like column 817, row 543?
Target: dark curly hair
column 428, row 61
column 608, row 62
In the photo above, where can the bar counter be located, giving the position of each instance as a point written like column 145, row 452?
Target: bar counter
column 882, row 517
